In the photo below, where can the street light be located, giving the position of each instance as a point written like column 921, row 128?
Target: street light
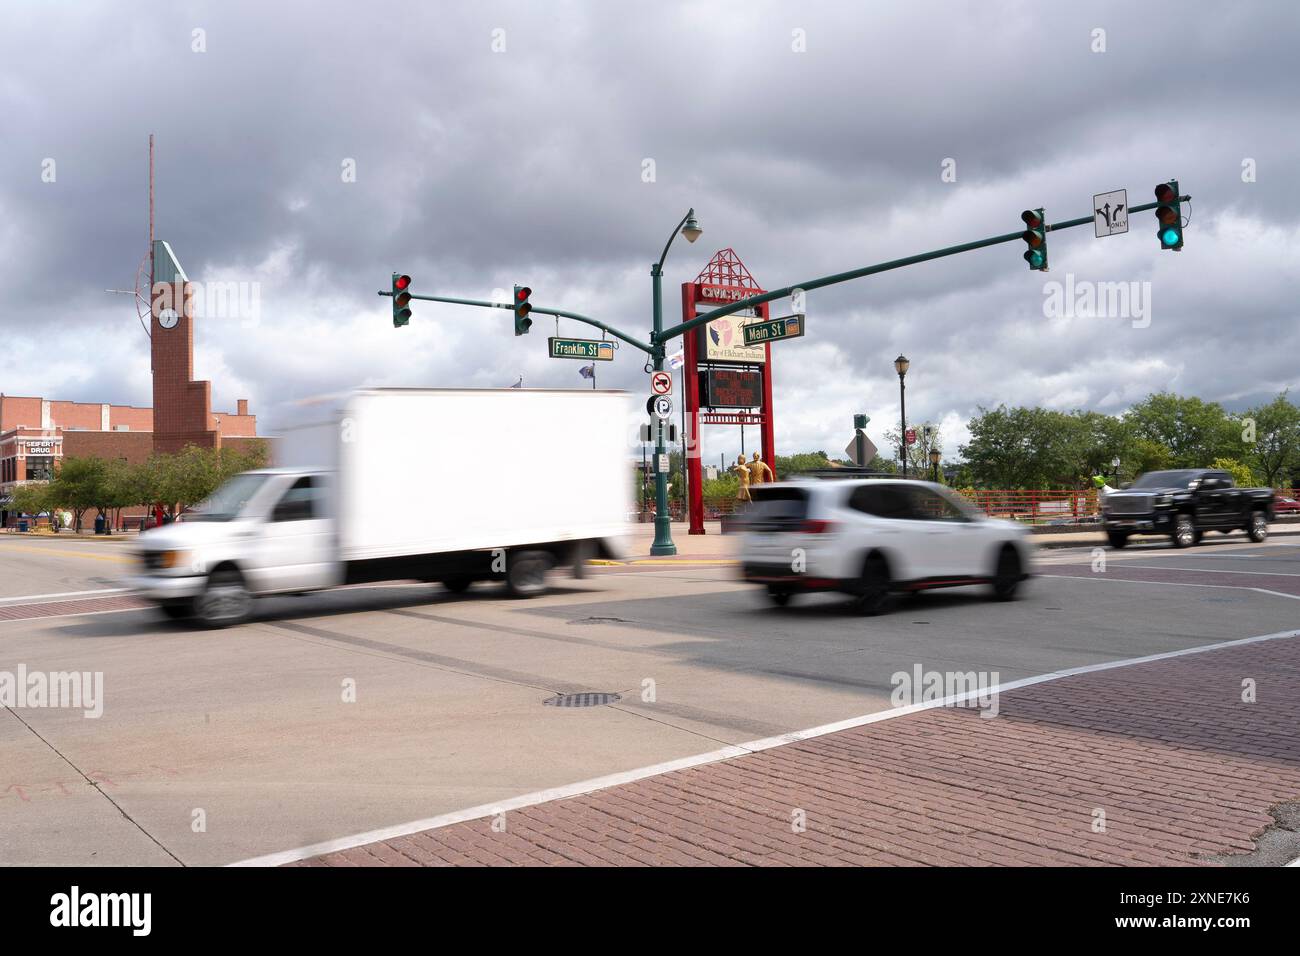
column 663, row 543
column 901, row 365
column 935, row 455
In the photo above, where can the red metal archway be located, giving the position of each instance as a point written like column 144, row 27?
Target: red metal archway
column 724, row 280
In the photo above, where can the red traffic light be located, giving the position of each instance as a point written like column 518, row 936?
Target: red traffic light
column 522, row 293
column 401, row 282
column 1165, row 193
column 1031, row 219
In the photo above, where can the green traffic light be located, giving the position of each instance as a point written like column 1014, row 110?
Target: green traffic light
column 1169, row 237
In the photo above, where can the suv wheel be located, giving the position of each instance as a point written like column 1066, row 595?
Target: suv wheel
column 1117, row 539
column 1258, row 526
column 871, row 596
column 1006, row 578
column 225, row 601
column 526, row 572
column 1184, row 534
column 778, row 595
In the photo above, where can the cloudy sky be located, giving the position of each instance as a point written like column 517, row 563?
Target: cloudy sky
column 496, row 143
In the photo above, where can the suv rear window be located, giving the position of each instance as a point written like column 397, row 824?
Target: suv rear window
column 774, row 508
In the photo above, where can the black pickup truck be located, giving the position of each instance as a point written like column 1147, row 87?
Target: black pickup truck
column 1184, row 504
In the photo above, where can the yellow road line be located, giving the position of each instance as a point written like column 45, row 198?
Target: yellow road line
column 6, row 548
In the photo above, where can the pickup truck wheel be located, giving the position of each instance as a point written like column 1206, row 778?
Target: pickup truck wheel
column 1258, row 527
column 1006, row 577
column 1184, row 534
column 225, row 601
column 526, row 572
column 872, row 593
column 1117, row 539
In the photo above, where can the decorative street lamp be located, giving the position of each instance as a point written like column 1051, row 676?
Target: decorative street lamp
column 935, row 455
column 663, row 543
column 901, row 365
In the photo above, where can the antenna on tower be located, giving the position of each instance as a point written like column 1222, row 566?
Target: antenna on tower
column 144, row 298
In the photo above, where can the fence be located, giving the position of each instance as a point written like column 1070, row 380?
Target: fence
column 1044, row 507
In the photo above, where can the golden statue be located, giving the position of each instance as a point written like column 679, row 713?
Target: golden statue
column 759, row 473
column 742, row 472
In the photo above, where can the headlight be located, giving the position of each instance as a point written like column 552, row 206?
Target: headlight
column 175, row 559
column 1164, row 500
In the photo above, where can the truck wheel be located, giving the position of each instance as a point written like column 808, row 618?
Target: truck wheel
column 225, row 601
column 177, row 610
column 526, row 573
column 1184, row 535
column 1117, row 539
column 871, row 596
column 1258, row 527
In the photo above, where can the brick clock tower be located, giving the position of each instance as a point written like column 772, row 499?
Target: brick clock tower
column 182, row 407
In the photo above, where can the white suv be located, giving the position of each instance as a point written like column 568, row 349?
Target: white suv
column 872, row 537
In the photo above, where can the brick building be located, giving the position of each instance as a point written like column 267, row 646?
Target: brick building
column 36, row 433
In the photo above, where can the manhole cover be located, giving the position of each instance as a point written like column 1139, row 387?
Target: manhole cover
column 581, row 700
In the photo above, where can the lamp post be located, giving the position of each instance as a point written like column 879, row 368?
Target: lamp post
column 901, row 365
column 934, row 465
column 663, row 543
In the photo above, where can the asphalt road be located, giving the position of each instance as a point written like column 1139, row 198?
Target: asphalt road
column 250, row 732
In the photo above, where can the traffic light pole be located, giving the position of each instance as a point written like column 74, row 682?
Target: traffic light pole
column 659, row 336
column 839, row 277
column 577, row 317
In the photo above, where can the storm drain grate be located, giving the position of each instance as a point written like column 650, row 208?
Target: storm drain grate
column 601, row 620
column 581, row 700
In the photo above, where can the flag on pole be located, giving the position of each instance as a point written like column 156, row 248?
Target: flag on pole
column 677, row 359
column 588, row 371
column 519, row 384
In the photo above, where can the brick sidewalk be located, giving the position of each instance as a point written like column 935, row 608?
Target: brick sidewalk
column 1180, row 766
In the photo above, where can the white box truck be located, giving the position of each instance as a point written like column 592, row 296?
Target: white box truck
column 449, row 485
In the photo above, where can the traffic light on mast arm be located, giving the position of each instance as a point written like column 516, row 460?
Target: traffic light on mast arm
column 401, row 300
column 1170, row 216
column 522, row 307
column 1035, row 236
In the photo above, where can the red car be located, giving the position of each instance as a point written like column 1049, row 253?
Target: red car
column 1284, row 506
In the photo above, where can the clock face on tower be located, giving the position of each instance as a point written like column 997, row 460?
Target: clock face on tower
column 168, row 318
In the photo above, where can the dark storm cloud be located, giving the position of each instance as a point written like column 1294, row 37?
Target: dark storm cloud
column 476, row 169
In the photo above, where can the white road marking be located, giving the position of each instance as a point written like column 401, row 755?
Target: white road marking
column 715, row 756
column 1101, row 576
column 1156, row 567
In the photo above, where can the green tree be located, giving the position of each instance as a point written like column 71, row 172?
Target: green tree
column 79, row 486
column 1242, row 476
column 1009, row 447
column 918, row 453
column 1275, row 452
column 1194, row 431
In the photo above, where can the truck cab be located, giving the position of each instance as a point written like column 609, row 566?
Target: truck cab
column 263, row 532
